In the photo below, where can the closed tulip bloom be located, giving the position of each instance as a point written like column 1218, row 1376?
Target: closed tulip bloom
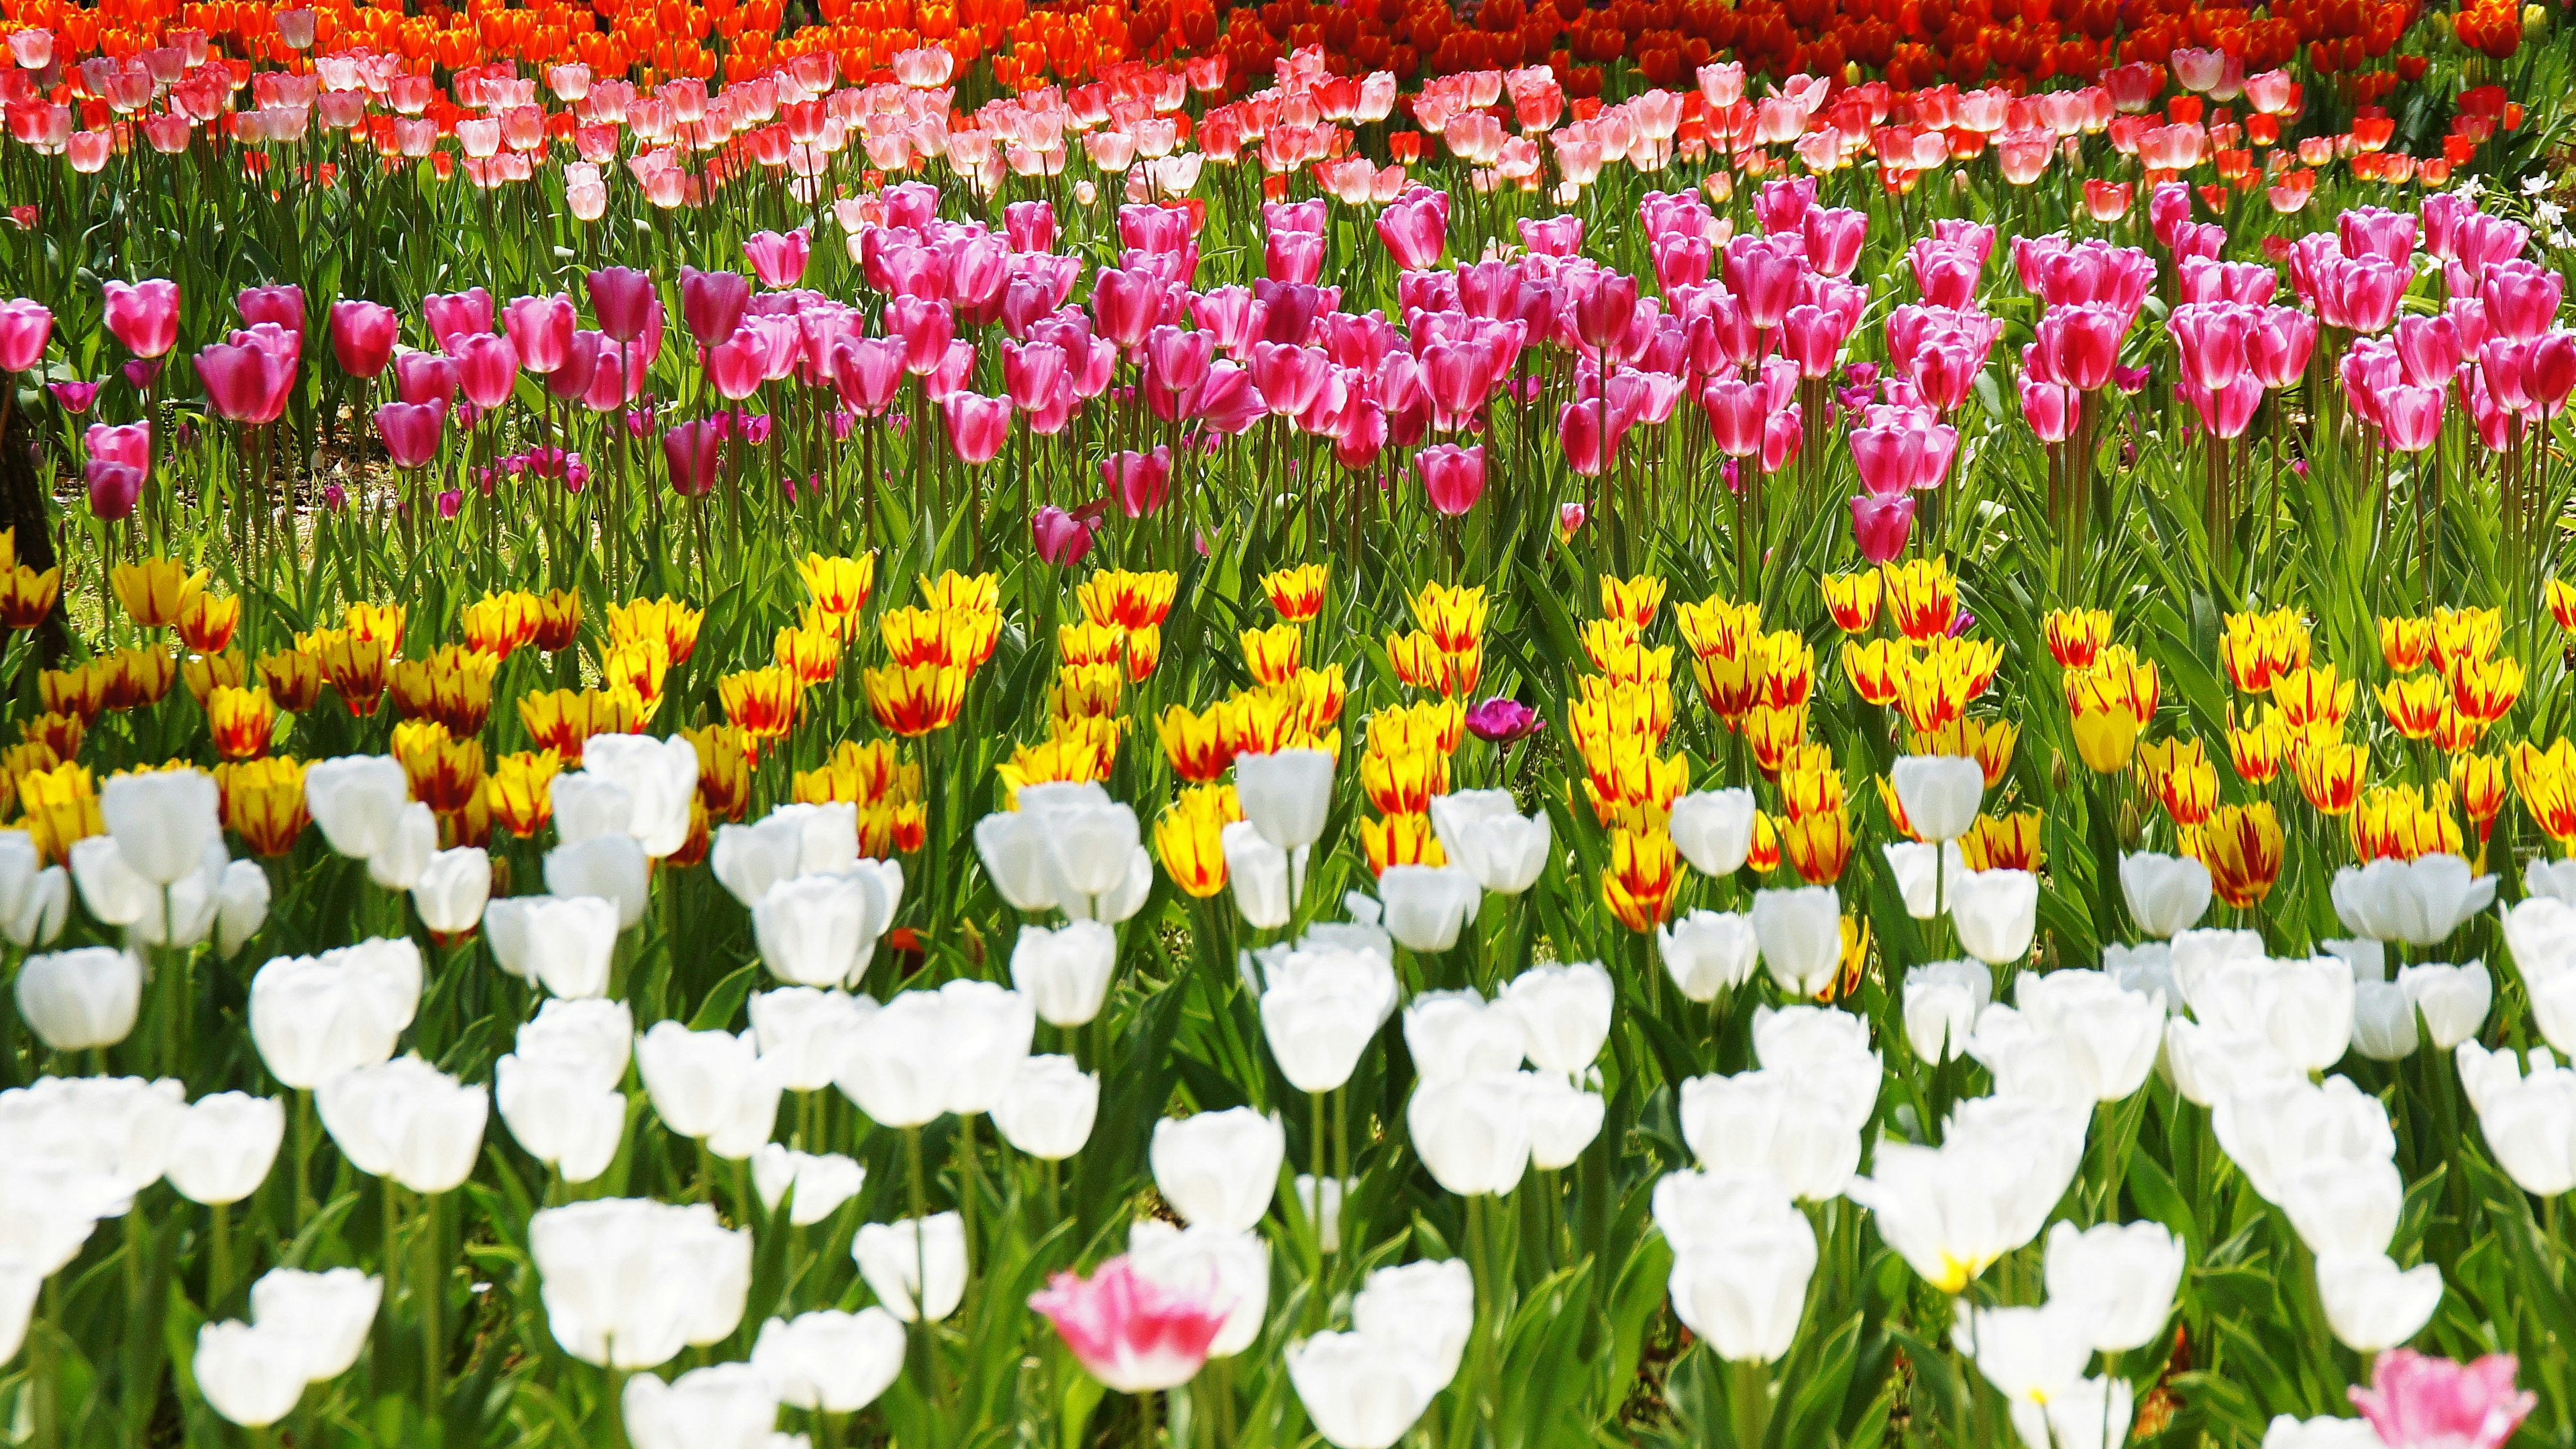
column 563, row 943
column 587, row 806
column 818, row 930
column 558, row 1112
column 1772, row 1125
column 1429, row 1305
column 452, row 890
column 251, row 1376
column 110, row 889
column 2344, row 1205
column 2126, row 1272
column 661, row 775
column 1565, row 1014
column 1286, row 795
column 2111, row 1034
column 830, row 1360
column 2372, row 1304
column 610, row 867
column 727, row 1406
column 709, row 1085
column 2287, row 1431
column 1713, row 829
column 1996, row 913
column 1563, row 1119
column 597, row 1035
column 1230, row 1271
column 2167, row 894
column 81, row 1000
column 1259, row 873
column 406, row 1120
column 1318, row 1023
column 2305, row 1010
column 1218, row 1169
column 162, row 821
column 39, row 919
column 1940, row 794
column 1942, row 1001
column 893, row 1257
column 1707, row 952
column 1911, row 863
column 312, row 1020
column 1359, row 1392
column 2273, row 1129
column 1453, row 1034
column 1472, row 1133
column 398, row 866
column 1013, row 847
column 2529, row 1122
column 897, row 1067
column 1484, row 835
column 363, row 335
column 2383, row 1021
column 2453, row 999
column 1743, row 1290
column 357, row 801
column 806, row 1035
column 1135, row 1334
column 1065, row 972
column 2094, row 1413
column 790, row 841
column 326, row 1316
column 1048, row 1109
column 1801, row 933
column 629, row 1282
column 1427, row 906
column 819, row 1182
column 224, row 1149
column 2420, row 901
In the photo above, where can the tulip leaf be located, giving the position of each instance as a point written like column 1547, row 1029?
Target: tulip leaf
column 716, row 1012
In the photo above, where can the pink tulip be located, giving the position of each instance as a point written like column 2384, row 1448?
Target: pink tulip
column 868, row 373
column 1290, row 378
column 738, row 365
column 75, row 397
column 144, row 316
column 362, row 336
column 977, row 425
column 2372, row 231
column 114, row 488
column 1032, row 372
column 1736, row 412
column 2521, row 299
column 245, row 382
column 1570, row 519
column 1881, row 525
column 411, row 431
column 282, row 304
column 2360, row 294
column 583, row 352
column 1292, row 256
column 1680, row 260
column 2051, row 408
column 487, row 366
column 925, row 327
column 779, row 260
column 1765, row 276
column 712, row 303
column 2278, row 347
column 1453, row 477
column 2410, row 417
column 1228, row 402
column 1130, row 1333
column 1782, row 205
column 541, row 328
column 421, row 376
column 2211, row 337
column 1813, row 338
column 24, row 328
column 2549, row 372
column 1126, row 304
column 454, row 316
column 2079, row 345
column 694, row 453
column 1062, row 539
column 1415, row 228
column 129, row 444
column 2226, row 412
column 1138, row 481
column 2418, row 1402
column 1555, row 236
column 1030, row 225
column 623, row 301
column 1834, row 236
column 953, row 370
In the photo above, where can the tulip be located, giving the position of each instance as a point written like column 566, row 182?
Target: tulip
column 1286, row 795
column 1132, row 1333
column 558, row 1112
column 81, row 1000
column 820, row 930
column 1563, row 1119
column 894, row 1258
column 315, row 1019
column 2344, row 1205
column 1427, row 906
column 357, row 801
column 978, row 426
column 1940, row 794
column 251, row 1376
column 2167, row 895
column 1881, row 525
column 694, row 453
column 398, row 866
column 1062, row 539
column 1472, row 1132
column 1742, row 1288
column 411, row 432
column 563, row 944
column 1259, row 873
column 623, row 301
column 712, row 303
column 363, row 335
column 1453, row 1034
column 2371, row 1304
column 2417, row 1400
column 144, row 316
column 2418, row 901
column 819, row 1184
column 2126, row 1273
column 1801, row 935
column 2109, row 1035
column 790, row 841
column 709, row 1085
column 1452, row 477
column 1484, row 835
column 1065, row 972
column 728, row 1406
column 2290, row 1432
column 1218, row 1169
column 629, row 1282
column 1707, row 952
column 2453, row 999
column 1049, row 1107
column 1564, row 1013
column 1942, row 1002
column 1799, row 1131
column 245, row 382
column 2383, row 1021
column 779, row 261
column 406, row 1120
column 1996, row 913
column 610, row 867
column 805, row 1034
column 830, row 1360
column 1362, row 1392
column 24, row 328
column 226, row 1146
column 1713, row 829
column 1952, row 1210
column 451, row 891
column 324, row 1316
column 1319, row 1017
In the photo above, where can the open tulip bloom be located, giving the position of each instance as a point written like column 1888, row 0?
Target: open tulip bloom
column 1756, row 724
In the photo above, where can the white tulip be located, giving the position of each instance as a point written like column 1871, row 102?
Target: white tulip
column 1801, row 932
column 1012, row 845
column 356, row 801
column 1428, row 1305
column 2367, row 958
column 661, row 776
column 1743, row 1289
column 2383, row 1021
column 1258, row 872
column 559, row 1114
column 790, row 841
column 817, row 930
column 1942, row 1000
column 326, row 1315
column 2344, row 1205
column 81, row 1000
column 1453, row 1034
column 2030, row 1355
column 2371, row 1304
column 1360, row 1393
column 2420, row 901
column 1940, row 794
column 1564, row 1012
column 611, row 867
column 224, row 1149
column 1713, row 830
column 1997, row 914
column 2128, row 1272
column 1088, row 844
column 406, row 853
column 1213, row 1266
column 406, row 1120
column 1318, row 1026
column 38, row 920
column 566, row 944
column 1065, row 972
column 1911, row 862
column 709, row 1085
column 2094, row 1413
column 2146, row 968
column 2273, row 1129
column 830, row 1360
column 629, row 1282
column 597, row 1035
column 1472, row 1133
column 1321, row 1202
column 587, row 806
column 1707, row 952
column 2289, row 1432
column 2210, row 1064
column 2551, row 878
column 161, row 820
column 727, row 1406
column 2112, row 1034
column 893, row 1258
column 1427, row 906
column 1768, row 1124
column 805, row 1035
column 2306, row 1010
column 1049, row 1108
column 251, row 1376
column 313, row 1019
column 1563, row 1119
column 451, row 891
column 1218, row 1169
column 2167, row 894
column 1484, row 834
column 820, row 1182
column 2529, row 1121
column 2453, row 999
column 1286, row 795
column 110, row 889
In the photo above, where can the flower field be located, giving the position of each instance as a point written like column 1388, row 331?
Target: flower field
column 1805, row 723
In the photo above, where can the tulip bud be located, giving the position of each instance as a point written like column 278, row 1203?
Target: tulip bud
column 1713, row 830
column 1996, row 913
column 709, row 1085
column 1940, row 794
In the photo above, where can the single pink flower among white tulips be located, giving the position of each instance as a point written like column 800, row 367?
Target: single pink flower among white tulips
column 1131, row 1334
column 2419, row 1402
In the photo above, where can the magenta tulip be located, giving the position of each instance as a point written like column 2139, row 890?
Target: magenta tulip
column 977, row 425
column 541, row 328
column 245, row 382
column 623, row 301
column 712, row 303
column 1452, row 477
column 779, row 261
column 1880, row 525
column 1030, row 225
column 454, row 316
column 694, row 452
column 282, row 304
column 412, row 431
column 24, row 328
column 1138, row 480
column 1415, row 228
column 362, row 336
column 114, row 488
column 75, row 397
column 144, row 316
column 1061, row 538
column 130, row 444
